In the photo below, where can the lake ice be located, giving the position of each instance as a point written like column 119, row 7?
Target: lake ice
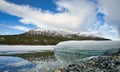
column 12, row 49
column 73, row 50
column 64, row 51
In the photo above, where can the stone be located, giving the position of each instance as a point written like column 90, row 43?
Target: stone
column 57, row 71
column 93, row 63
column 112, row 52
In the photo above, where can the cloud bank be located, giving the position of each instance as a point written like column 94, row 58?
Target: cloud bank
column 112, row 11
column 78, row 15
column 75, row 19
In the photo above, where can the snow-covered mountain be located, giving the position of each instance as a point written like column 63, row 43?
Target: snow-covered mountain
column 40, row 36
column 61, row 33
column 53, row 32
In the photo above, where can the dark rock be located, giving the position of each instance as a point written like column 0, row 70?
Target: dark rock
column 112, row 52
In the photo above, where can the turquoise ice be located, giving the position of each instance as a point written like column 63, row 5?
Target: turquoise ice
column 75, row 50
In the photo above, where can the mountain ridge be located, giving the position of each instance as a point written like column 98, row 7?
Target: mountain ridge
column 45, row 37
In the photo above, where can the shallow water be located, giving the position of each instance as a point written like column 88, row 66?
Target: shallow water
column 14, row 64
column 19, row 58
column 17, row 64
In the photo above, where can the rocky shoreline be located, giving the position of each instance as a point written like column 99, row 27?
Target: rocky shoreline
column 96, row 64
column 109, row 62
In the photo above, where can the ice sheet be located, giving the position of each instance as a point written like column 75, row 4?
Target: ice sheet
column 10, row 49
column 73, row 50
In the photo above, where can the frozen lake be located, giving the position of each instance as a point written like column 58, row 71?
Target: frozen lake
column 27, row 58
column 38, row 58
column 11, row 49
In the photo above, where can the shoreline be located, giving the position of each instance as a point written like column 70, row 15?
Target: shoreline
column 97, row 64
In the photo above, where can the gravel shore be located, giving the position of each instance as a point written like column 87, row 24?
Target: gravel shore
column 96, row 64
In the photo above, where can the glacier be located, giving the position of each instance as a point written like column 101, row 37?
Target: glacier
column 76, row 50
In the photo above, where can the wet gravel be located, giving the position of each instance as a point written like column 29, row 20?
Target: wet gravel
column 96, row 64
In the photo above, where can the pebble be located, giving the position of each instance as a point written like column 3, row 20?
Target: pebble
column 57, row 71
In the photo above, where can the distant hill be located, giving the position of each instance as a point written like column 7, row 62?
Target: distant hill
column 45, row 37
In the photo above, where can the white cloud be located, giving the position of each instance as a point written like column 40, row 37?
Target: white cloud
column 83, row 10
column 22, row 28
column 112, row 11
column 25, row 21
column 104, row 30
column 111, row 8
column 77, row 17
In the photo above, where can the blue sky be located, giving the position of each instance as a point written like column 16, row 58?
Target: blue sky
column 96, row 17
column 11, row 20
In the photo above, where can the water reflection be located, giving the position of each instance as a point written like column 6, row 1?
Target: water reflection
column 29, row 62
column 14, row 64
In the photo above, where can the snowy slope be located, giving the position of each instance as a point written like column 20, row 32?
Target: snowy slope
column 52, row 32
